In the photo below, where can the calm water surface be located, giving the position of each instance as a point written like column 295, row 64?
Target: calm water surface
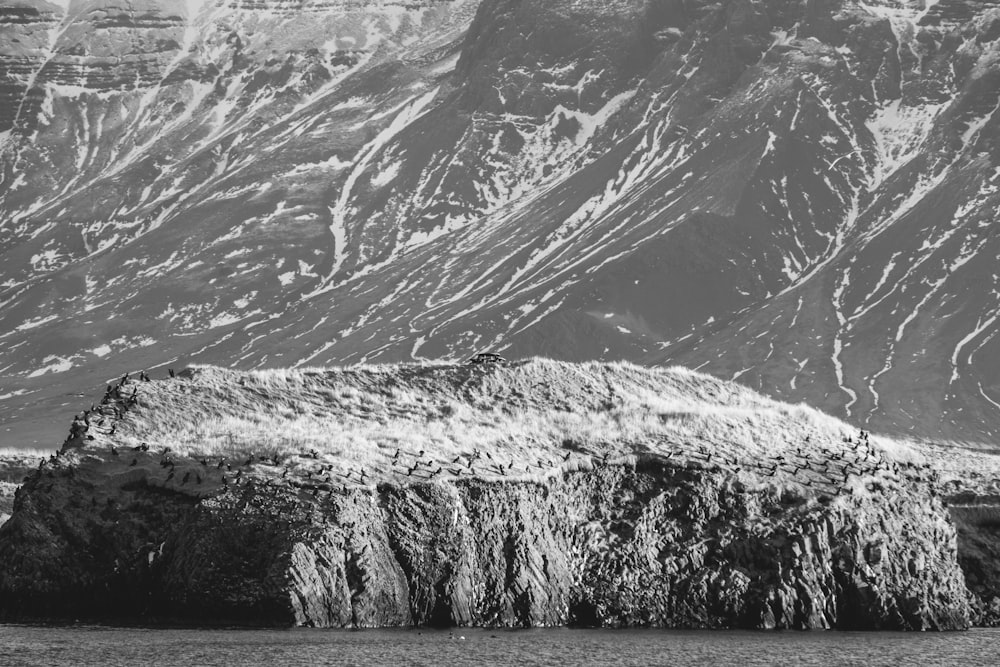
column 94, row 645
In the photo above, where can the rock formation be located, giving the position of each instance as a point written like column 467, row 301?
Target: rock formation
column 525, row 494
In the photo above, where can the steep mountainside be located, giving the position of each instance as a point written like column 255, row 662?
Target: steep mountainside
column 799, row 195
column 535, row 494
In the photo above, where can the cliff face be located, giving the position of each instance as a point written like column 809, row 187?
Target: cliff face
column 675, row 530
column 977, row 521
column 618, row 545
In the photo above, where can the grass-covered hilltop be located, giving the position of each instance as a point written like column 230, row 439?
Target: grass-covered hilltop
column 533, row 493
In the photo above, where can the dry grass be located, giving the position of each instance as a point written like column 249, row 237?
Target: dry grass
column 526, row 420
column 519, row 412
column 963, row 467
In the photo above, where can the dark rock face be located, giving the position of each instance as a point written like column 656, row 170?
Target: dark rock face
column 621, row 544
column 977, row 521
column 26, row 25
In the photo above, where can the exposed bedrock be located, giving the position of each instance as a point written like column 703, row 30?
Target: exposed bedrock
column 635, row 542
column 977, row 521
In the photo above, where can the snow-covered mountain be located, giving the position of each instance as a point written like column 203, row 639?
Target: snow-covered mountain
column 799, row 194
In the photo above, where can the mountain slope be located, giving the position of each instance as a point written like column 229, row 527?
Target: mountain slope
column 797, row 195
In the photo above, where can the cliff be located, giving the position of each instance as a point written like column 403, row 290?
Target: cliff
column 970, row 487
column 530, row 494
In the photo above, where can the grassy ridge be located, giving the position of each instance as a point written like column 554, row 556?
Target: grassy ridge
column 526, row 420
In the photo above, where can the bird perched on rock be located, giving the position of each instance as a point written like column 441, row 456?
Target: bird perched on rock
column 486, row 358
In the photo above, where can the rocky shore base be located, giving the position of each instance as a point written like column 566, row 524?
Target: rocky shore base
column 633, row 543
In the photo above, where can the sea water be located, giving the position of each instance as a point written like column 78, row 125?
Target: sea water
column 99, row 645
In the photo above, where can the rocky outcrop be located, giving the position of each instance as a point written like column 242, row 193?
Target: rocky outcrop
column 660, row 532
column 623, row 544
column 977, row 522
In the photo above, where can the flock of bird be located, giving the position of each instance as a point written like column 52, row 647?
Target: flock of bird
column 821, row 467
column 309, row 473
column 827, row 469
column 116, row 402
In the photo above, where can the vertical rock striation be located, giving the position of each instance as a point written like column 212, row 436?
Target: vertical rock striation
column 648, row 539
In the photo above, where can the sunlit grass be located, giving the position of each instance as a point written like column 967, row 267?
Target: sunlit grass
column 526, row 418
